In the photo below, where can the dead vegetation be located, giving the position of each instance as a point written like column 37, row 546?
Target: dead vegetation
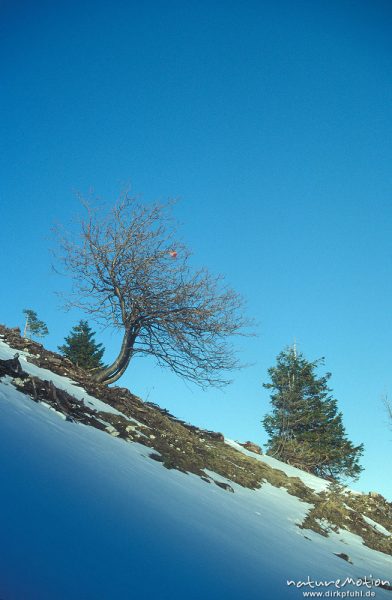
column 334, row 510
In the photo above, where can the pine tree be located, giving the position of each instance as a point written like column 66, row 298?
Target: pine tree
column 305, row 428
column 81, row 348
column 33, row 326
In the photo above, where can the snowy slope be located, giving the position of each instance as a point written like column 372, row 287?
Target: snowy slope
column 86, row 516
column 315, row 483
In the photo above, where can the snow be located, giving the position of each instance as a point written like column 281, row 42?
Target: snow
column 377, row 526
column 315, row 483
column 86, row 516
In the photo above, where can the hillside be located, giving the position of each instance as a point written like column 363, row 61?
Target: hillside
column 107, row 496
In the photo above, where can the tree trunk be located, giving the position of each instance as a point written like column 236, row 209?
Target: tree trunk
column 25, row 328
column 114, row 371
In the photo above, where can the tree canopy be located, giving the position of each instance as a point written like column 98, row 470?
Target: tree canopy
column 33, row 326
column 305, row 428
column 131, row 273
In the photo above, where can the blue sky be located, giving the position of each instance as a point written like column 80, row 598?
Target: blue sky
column 271, row 122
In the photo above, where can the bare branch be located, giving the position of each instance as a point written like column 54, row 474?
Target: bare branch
column 129, row 272
column 388, row 407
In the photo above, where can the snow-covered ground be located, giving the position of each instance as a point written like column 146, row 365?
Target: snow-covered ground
column 85, row 516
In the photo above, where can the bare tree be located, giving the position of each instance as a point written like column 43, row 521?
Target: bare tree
column 129, row 272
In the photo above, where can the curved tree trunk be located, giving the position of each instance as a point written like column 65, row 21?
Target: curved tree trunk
column 114, row 371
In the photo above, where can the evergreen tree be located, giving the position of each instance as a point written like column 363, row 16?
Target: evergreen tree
column 305, row 428
column 33, row 326
column 81, row 348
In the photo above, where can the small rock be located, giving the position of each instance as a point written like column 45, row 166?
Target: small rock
column 252, row 447
column 12, row 367
column 224, row 486
column 156, row 457
column 344, row 557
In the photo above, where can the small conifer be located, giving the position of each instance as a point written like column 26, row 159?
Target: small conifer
column 81, row 348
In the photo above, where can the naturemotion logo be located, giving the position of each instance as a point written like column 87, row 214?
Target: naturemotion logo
column 367, row 585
